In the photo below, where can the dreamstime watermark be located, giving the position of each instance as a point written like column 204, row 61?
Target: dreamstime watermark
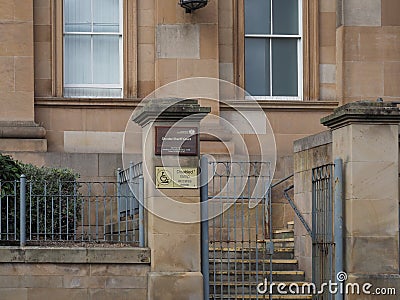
column 333, row 288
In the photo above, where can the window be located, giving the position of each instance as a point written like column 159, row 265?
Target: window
column 93, row 48
column 273, row 38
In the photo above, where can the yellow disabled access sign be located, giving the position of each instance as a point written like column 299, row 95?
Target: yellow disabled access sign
column 176, row 178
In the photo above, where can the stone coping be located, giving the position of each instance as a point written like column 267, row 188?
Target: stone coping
column 74, row 255
column 363, row 112
column 312, row 141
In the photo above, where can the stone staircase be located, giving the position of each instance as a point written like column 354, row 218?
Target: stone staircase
column 236, row 272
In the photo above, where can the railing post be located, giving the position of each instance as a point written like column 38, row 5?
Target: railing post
column 338, row 221
column 22, row 215
column 141, row 212
column 204, row 226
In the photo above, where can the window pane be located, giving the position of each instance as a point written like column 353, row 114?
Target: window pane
column 77, row 15
column 257, row 16
column 285, row 16
column 284, row 67
column 106, row 59
column 77, row 59
column 106, row 16
column 257, row 66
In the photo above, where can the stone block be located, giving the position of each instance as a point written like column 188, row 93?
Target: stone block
column 363, row 79
column 81, row 282
column 371, row 180
column 226, row 71
column 7, row 78
column 24, row 74
column 197, row 68
column 175, row 286
column 166, row 70
column 29, row 281
column 120, row 294
column 362, row 12
column 372, row 255
column 83, row 163
column 14, row 294
column 367, row 140
column 42, row 33
column 372, row 217
column 92, row 142
column 59, row 294
column 178, row 41
column 327, row 92
column 327, row 32
column 16, row 39
column 23, row 145
column 327, row 73
column 327, row 6
column 23, row 10
column 42, row 14
column 208, row 41
column 389, row 15
column 121, row 255
column 119, row 269
column 126, row 282
column 166, row 12
column 391, row 74
column 327, row 55
column 7, row 10
column 175, row 252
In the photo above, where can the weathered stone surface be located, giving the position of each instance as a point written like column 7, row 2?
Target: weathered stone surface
column 178, row 41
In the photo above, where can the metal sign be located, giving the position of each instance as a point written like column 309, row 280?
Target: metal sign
column 176, row 178
column 176, row 140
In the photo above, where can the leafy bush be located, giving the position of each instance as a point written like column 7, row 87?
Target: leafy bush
column 52, row 198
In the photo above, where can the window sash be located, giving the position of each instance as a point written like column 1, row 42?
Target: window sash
column 269, row 34
column 95, row 38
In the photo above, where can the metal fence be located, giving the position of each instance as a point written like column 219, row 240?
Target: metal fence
column 239, row 229
column 55, row 213
column 322, row 227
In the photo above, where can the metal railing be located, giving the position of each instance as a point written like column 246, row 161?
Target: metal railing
column 48, row 213
column 322, row 226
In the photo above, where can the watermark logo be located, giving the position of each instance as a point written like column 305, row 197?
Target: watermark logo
column 333, row 288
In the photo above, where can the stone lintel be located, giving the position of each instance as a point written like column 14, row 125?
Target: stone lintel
column 170, row 110
column 363, row 112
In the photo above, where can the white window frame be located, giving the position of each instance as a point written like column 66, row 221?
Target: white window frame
column 272, row 36
column 92, row 33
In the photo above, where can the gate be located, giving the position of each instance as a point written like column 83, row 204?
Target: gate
column 239, row 250
column 322, row 223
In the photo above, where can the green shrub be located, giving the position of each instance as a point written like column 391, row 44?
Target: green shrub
column 52, row 198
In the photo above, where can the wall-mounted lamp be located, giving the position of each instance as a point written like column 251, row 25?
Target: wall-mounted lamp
column 191, row 5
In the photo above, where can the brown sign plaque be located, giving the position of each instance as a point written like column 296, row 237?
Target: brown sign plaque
column 176, row 140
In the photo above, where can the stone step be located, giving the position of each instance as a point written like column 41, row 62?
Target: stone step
column 246, row 253
column 290, row 225
column 253, row 264
column 283, row 234
column 283, row 243
column 255, row 276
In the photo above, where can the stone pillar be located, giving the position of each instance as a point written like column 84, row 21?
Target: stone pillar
column 18, row 132
column 366, row 136
column 173, row 228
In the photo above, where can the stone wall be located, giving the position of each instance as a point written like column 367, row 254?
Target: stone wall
column 73, row 273
column 310, row 152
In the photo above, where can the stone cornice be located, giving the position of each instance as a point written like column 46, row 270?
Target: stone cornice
column 363, row 112
column 170, row 110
